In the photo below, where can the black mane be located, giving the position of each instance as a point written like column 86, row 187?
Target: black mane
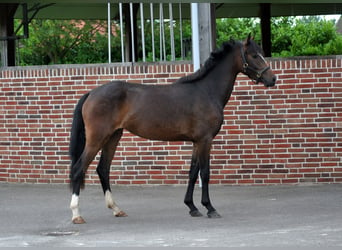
column 215, row 57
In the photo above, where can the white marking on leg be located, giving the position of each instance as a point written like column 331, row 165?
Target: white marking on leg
column 74, row 206
column 111, row 204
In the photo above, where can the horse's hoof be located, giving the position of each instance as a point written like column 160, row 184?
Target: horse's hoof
column 121, row 214
column 195, row 213
column 214, row 215
column 78, row 220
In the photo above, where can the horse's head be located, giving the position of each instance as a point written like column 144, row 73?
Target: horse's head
column 254, row 64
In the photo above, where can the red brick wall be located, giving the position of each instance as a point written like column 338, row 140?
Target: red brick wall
column 291, row 133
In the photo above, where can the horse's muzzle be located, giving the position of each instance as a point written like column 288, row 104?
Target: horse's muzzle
column 269, row 83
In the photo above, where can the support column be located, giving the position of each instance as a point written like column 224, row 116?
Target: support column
column 207, row 30
column 265, row 16
column 3, row 34
column 11, row 42
column 203, row 31
column 195, row 36
column 7, row 45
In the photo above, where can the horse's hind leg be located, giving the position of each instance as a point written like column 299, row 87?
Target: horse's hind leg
column 80, row 169
column 103, row 170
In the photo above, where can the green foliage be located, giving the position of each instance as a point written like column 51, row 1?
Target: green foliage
column 237, row 29
column 305, row 37
column 290, row 36
column 77, row 41
column 62, row 41
column 281, row 35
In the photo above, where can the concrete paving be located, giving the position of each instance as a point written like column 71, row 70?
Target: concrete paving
column 252, row 216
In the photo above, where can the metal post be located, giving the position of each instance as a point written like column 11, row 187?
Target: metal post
column 181, row 31
column 172, row 38
column 122, row 34
column 163, row 35
column 152, row 31
column 109, row 34
column 161, row 30
column 195, row 36
column 142, row 31
column 132, row 31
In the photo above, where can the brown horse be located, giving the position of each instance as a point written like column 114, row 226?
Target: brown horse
column 191, row 109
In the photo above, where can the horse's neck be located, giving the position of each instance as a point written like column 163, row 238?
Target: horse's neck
column 220, row 81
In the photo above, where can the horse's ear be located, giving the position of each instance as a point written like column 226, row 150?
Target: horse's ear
column 249, row 38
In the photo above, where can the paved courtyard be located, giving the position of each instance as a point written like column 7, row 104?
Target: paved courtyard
column 252, row 216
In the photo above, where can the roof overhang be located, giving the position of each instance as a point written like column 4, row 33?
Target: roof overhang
column 97, row 9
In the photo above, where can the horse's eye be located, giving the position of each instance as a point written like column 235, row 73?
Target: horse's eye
column 255, row 56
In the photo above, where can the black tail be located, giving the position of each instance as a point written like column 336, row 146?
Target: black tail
column 77, row 139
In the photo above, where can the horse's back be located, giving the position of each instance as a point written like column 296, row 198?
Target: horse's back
column 160, row 112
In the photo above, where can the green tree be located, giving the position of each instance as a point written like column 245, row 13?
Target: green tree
column 65, row 41
column 282, row 33
column 237, row 29
column 305, row 37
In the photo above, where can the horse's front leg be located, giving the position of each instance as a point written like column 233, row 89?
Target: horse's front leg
column 204, row 159
column 193, row 174
column 205, row 176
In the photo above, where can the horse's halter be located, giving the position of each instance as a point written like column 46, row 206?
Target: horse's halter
column 246, row 67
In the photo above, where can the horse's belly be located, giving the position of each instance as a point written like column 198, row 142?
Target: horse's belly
column 158, row 130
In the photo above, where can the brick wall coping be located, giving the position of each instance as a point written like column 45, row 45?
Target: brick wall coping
column 111, row 68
